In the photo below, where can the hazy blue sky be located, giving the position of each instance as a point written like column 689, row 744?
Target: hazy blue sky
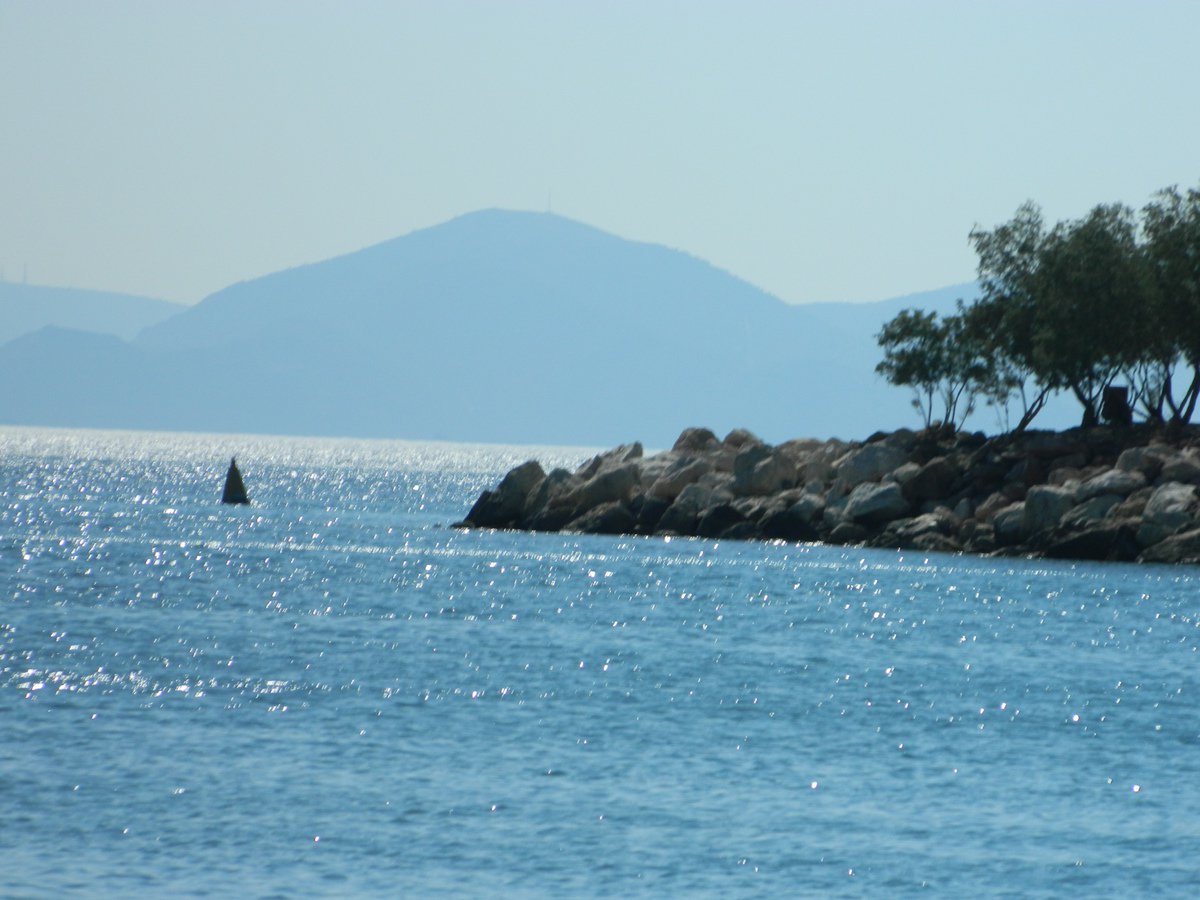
column 823, row 151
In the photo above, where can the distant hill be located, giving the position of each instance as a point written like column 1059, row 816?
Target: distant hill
column 24, row 308
column 496, row 326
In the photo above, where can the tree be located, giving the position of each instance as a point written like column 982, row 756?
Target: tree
column 1003, row 320
column 1066, row 309
column 940, row 361
column 1171, row 224
column 1091, row 298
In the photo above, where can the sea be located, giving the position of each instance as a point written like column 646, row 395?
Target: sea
column 333, row 692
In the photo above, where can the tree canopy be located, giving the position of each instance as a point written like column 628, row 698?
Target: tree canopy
column 1072, row 308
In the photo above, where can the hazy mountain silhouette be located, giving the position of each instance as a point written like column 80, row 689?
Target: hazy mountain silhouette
column 495, row 326
column 24, row 308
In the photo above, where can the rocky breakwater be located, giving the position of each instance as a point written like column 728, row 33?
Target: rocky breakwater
column 1098, row 493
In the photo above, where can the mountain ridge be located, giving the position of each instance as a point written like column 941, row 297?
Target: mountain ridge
column 25, row 308
column 510, row 327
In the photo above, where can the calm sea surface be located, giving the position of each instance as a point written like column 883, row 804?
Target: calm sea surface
column 333, row 693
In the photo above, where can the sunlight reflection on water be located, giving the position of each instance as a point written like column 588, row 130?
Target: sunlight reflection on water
column 194, row 694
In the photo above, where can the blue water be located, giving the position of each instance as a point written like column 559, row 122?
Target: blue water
column 333, row 693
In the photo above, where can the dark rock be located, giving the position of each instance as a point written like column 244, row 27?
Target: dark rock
column 649, row 513
column 935, row 542
column 868, row 463
column 1030, row 471
column 718, row 519
column 1076, row 461
column 683, row 514
column 1180, row 548
column 905, row 531
column 1147, row 460
column 876, row 503
column 557, row 484
column 932, row 481
column 695, row 440
column 505, row 506
column 1088, row 514
column 740, row 531
column 795, row 523
column 848, row 533
column 758, row 470
column 605, row 486
column 1113, row 541
column 1007, row 523
column 608, row 518
column 740, row 437
column 682, row 473
column 1111, row 481
column 1171, row 508
column 1044, row 506
column 610, row 459
column 1110, row 491
column 1184, row 469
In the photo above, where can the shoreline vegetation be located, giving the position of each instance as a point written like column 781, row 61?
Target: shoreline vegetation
column 1127, row 493
column 1071, row 309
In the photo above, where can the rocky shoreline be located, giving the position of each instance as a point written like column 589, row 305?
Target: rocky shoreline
column 1091, row 494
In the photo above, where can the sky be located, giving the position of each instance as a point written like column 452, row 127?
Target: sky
column 824, row 151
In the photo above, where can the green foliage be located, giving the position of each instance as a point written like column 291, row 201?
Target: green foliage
column 1171, row 223
column 1092, row 297
column 942, row 362
column 1070, row 308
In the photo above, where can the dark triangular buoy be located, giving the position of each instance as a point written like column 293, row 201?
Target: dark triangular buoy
column 235, row 490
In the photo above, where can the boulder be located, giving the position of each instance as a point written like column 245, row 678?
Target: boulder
column 794, row 523
column 682, row 515
column 505, row 506
column 716, row 520
column 1146, row 460
column 1170, row 509
column 607, row 518
column 649, row 512
column 980, row 538
column 848, row 533
column 1131, row 507
column 1089, row 513
column 695, row 440
column 1071, row 462
column 544, row 512
column 610, row 459
column 1064, row 476
column 684, row 472
column 759, row 470
column 1178, row 548
column 933, row 481
column 1044, row 506
column 936, row 542
column 1108, row 541
column 1122, row 482
column 876, row 503
column 1184, row 469
column 987, row 509
column 818, row 466
column 868, row 463
column 740, row 437
column 1007, row 524
column 905, row 532
column 606, row 486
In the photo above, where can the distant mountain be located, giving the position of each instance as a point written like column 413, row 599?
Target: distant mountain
column 24, row 308
column 496, row 326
